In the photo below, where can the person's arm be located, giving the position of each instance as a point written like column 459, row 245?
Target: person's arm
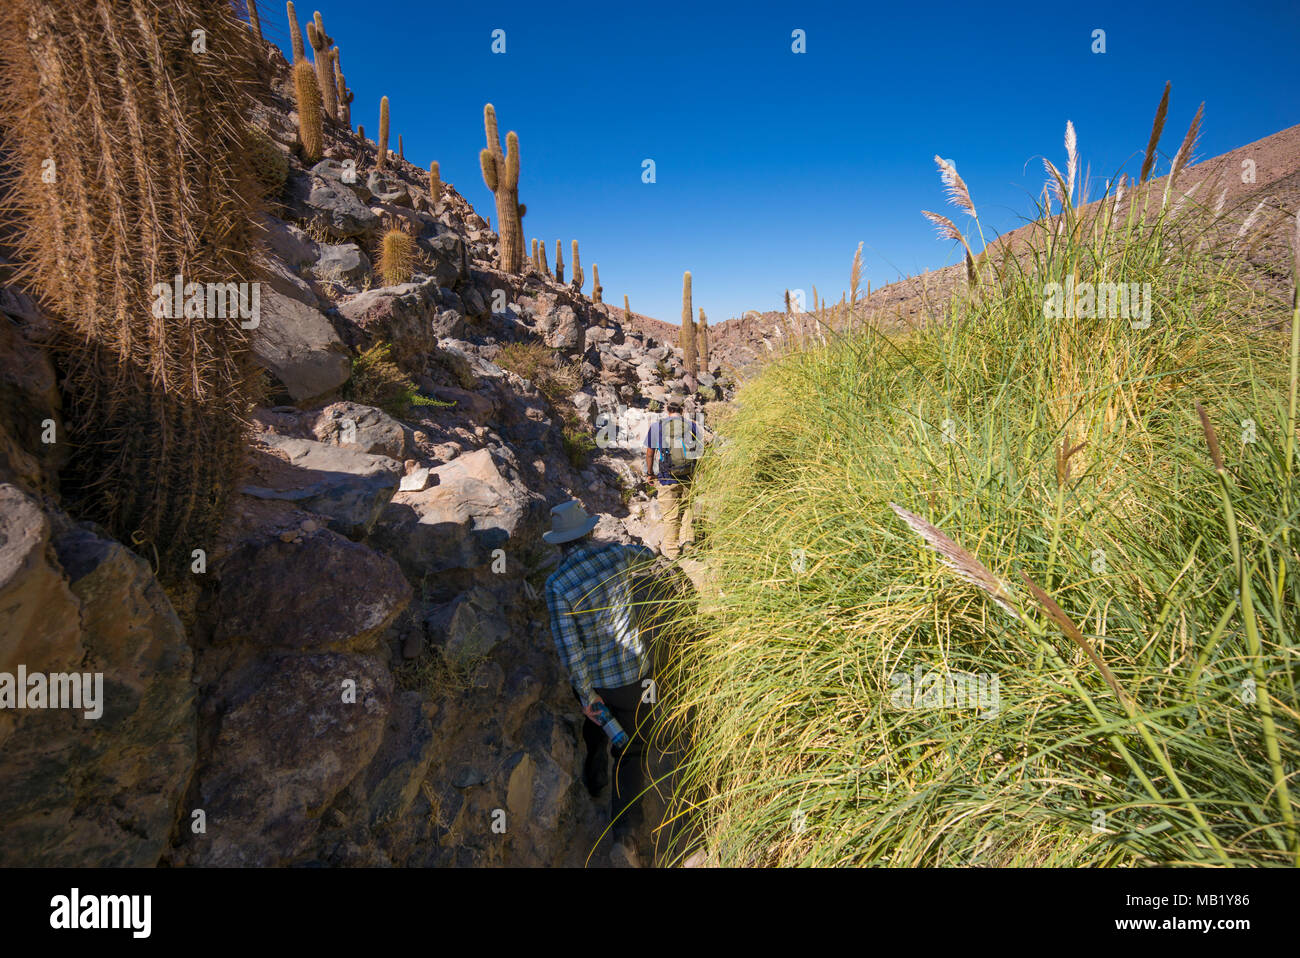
column 569, row 644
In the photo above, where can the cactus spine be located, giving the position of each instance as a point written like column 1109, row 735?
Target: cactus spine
column 596, row 288
column 688, row 328
column 320, row 47
column 501, row 174
column 578, row 277
column 309, row 119
column 559, row 263
column 383, row 134
column 295, row 32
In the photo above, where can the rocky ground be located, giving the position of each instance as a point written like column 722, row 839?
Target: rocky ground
column 366, row 674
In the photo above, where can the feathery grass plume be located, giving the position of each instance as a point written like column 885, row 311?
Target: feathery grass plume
column 687, row 333
column 596, row 289
column 501, row 174
column 946, row 229
column 855, row 275
column 396, row 256
column 1157, row 127
column 324, row 65
column 295, row 32
column 559, row 262
column 345, row 96
column 958, row 194
column 1055, row 182
column 1071, row 159
column 1188, row 146
column 310, row 128
column 959, row 560
column 154, row 182
column 382, row 144
column 435, row 183
column 254, row 20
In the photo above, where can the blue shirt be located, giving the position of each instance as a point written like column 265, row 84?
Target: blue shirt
column 654, row 440
column 592, row 619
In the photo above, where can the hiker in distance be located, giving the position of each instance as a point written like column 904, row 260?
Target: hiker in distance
column 589, row 596
column 677, row 443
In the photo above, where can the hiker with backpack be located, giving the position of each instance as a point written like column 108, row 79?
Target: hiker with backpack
column 603, row 649
column 676, row 442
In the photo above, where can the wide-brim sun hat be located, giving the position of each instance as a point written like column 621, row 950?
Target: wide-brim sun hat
column 569, row 521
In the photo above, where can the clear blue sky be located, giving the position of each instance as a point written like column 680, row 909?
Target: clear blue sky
column 772, row 166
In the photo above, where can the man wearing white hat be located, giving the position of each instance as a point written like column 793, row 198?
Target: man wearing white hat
column 589, row 597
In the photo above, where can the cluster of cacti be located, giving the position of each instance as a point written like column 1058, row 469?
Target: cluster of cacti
column 596, row 288
column 396, row 256
column 578, row 276
column 310, row 126
column 559, row 263
column 501, row 174
column 688, row 327
column 153, row 192
column 345, row 95
column 295, row 33
column 435, row 184
column 382, row 143
column 320, row 47
column 704, row 341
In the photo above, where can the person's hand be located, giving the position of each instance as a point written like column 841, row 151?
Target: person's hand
column 588, row 710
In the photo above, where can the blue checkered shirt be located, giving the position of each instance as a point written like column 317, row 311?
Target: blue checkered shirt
column 592, row 621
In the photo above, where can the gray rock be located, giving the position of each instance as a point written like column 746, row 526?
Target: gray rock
column 331, row 204
column 394, row 777
column 444, row 257
column 561, row 330
column 405, row 316
column 349, row 487
column 388, row 189
column 299, row 347
column 476, row 626
column 366, row 428
column 344, row 176
column 342, row 262
column 287, row 241
column 281, row 278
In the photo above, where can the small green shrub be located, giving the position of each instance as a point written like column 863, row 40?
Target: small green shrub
column 377, row 381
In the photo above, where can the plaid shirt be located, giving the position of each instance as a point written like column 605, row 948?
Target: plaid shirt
column 590, row 602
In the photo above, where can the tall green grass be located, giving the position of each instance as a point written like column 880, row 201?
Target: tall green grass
column 1063, row 452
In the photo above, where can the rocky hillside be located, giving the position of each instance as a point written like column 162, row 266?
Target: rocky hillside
column 360, row 671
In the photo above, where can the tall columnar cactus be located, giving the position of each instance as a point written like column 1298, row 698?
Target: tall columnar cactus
column 537, row 264
column 361, row 133
column 307, row 93
column 559, row 263
column 704, row 341
column 541, row 258
column 401, row 148
column 501, row 174
column 345, row 95
column 295, row 32
column 578, row 277
column 435, row 184
column 396, row 257
column 688, row 327
column 596, row 288
column 154, row 192
column 382, row 161
column 320, row 50
column 254, row 20
column 627, row 312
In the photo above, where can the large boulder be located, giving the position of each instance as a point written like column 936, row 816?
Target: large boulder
column 299, row 347
column 331, row 204
column 409, row 316
column 290, row 737
column 321, row 593
column 342, row 263
column 470, row 509
column 388, row 189
column 289, row 243
column 394, row 777
column 349, row 487
column 366, row 428
column 95, row 784
column 561, row 329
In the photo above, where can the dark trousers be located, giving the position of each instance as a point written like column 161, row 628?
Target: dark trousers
column 629, row 779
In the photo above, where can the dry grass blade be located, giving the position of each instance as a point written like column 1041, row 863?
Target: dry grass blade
column 1055, row 182
column 958, row 194
column 1070, row 629
column 1063, row 462
column 1211, row 438
column 958, row 559
column 1157, row 127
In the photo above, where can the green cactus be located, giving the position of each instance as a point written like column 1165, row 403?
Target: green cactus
column 396, row 257
column 536, row 261
column 627, row 311
column 255, row 21
column 541, row 258
column 596, row 288
column 295, row 32
column 435, row 183
column 307, row 92
column 345, row 96
column 688, row 327
column 501, row 174
column 559, row 263
column 383, row 134
column 578, row 276
column 704, row 341
column 401, row 148
column 320, row 46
